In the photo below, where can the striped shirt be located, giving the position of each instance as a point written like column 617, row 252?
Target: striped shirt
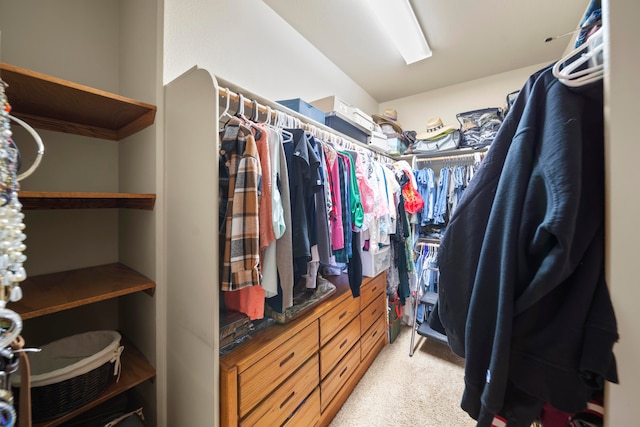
column 241, row 174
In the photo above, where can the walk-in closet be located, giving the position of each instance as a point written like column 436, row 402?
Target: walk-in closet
column 259, row 213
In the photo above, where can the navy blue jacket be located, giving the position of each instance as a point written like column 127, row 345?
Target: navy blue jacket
column 522, row 291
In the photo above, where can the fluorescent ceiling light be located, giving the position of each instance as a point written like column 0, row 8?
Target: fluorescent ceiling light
column 401, row 25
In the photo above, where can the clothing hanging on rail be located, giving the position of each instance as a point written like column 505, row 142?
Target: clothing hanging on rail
column 522, row 291
column 240, row 182
column 442, row 192
column 240, row 187
column 305, row 212
column 428, row 275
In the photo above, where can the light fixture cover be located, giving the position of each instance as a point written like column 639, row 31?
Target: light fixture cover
column 402, row 27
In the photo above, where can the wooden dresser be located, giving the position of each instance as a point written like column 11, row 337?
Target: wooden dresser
column 300, row 374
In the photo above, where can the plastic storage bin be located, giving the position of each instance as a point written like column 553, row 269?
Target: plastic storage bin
column 375, row 263
column 304, row 108
column 379, row 140
column 364, row 120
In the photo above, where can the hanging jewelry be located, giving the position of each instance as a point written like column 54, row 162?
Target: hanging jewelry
column 12, row 226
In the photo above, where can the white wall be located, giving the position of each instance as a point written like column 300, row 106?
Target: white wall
column 623, row 202
column 247, row 43
column 414, row 111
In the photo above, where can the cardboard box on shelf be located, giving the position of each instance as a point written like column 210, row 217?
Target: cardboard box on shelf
column 332, row 103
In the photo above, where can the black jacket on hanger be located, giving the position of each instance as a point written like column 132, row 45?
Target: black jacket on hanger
column 529, row 308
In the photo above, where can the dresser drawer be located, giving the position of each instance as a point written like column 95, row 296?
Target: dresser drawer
column 372, row 289
column 371, row 313
column 375, row 333
column 337, row 318
column 259, row 380
column 336, row 378
column 284, row 400
column 308, row 414
column 335, row 349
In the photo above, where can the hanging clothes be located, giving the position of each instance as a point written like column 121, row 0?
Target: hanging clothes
column 306, row 204
column 240, row 181
column 240, row 174
column 399, row 239
column 304, row 182
column 335, row 216
column 284, row 244
column 522, row 290
column 322, row 209
column 426, row 182
column 342, row 255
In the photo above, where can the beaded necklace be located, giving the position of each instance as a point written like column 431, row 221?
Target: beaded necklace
column 12, row 226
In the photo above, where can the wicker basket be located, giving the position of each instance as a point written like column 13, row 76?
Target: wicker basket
column 71, row 372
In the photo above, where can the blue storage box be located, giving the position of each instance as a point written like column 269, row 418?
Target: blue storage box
column 336, row 122
column 304, row 108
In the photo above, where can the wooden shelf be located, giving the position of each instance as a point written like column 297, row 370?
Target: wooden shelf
column 135, row 370
column 51, row 293
column 85, row 200
column 50, row 103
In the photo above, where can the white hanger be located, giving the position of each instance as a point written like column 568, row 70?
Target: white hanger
column 40, row 152
column 255, row 111
column 268, row 119
column 589, row 52
column 280, row 124
column 226, row 110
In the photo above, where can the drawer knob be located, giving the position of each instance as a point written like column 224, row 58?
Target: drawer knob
column 342, row 315
column 293, row 393
column 286, row 359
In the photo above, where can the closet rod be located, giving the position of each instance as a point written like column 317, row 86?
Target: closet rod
column 427, row 242
column 249, row 97
column 248, row 103
column 452, row 156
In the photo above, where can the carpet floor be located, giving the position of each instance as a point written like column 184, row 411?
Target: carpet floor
column 397, row 391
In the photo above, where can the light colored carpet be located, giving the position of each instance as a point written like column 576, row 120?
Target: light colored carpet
column 398, row 391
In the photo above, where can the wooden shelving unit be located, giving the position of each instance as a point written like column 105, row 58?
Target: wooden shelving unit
column 54, row 104
column 51, row 293
column 84, row 200
column 50, row 103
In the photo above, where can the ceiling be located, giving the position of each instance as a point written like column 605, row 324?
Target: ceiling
column 470, row 39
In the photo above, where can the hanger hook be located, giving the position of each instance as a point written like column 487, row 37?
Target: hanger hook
column 226, row 110
column 240, row 105
column 267, row 121
column 254, row 111
column 40, row 144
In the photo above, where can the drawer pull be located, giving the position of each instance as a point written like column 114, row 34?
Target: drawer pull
column 342, row 315
column 373, row 290
column 375, row 310
column 374, row 334
column 286, row 359
column 343, row 371
column 293, row 393
column 344, row 342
